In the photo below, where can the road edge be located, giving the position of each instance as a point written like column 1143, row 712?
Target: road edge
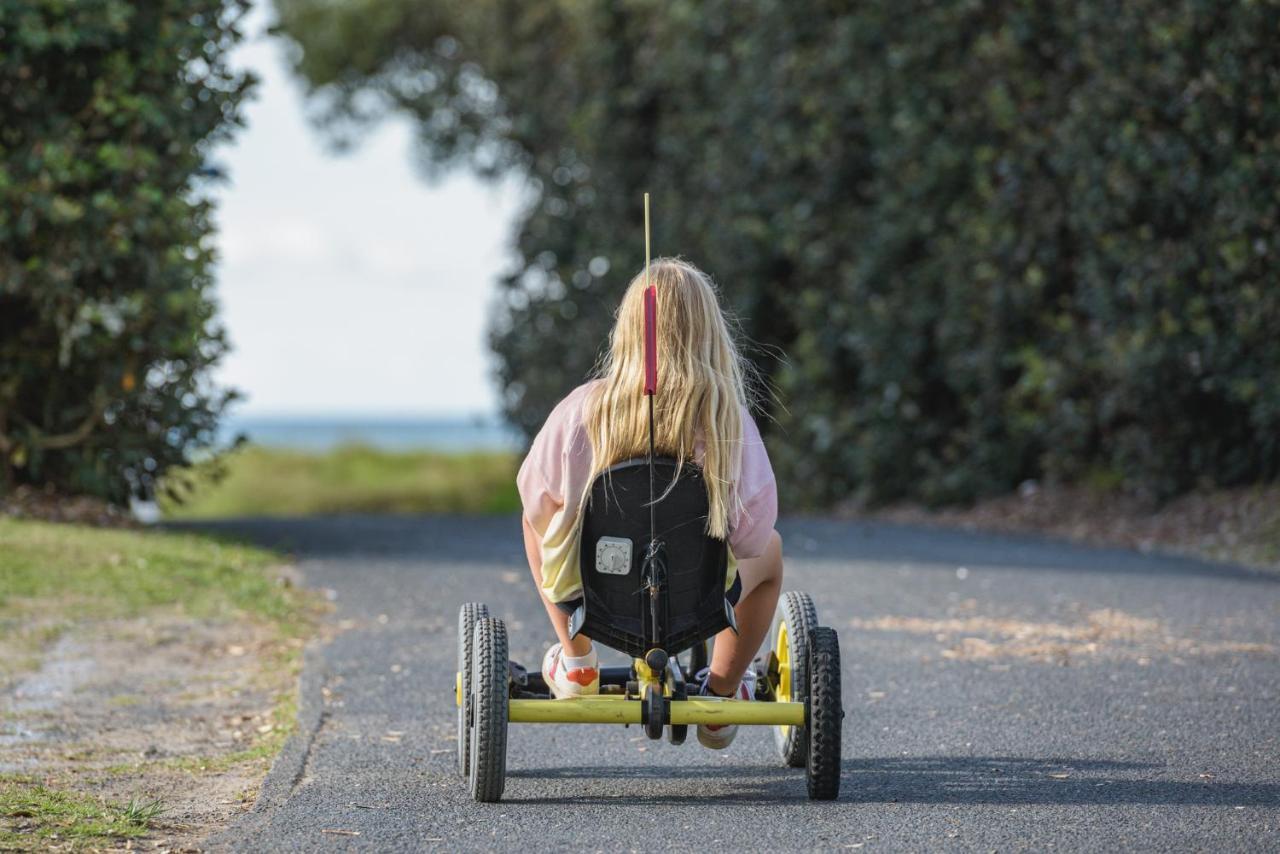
column 289, row 768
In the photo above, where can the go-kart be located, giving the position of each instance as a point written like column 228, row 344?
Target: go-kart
column 653, row 587
column 654, row 592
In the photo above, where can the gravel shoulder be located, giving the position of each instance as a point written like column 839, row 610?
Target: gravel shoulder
column 1240, row 526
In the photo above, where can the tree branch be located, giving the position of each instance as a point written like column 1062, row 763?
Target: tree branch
column 61, row 441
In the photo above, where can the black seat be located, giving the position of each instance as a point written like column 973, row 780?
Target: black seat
column 614, row 541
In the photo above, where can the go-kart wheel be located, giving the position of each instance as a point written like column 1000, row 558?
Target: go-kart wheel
column 677, row 733
column 490, row 691
column 468, row 615
column 653, row 709
column 825, row 713
column 794, row 619
column 699, row 657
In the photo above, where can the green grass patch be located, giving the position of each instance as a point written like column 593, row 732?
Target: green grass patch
column 33, row 816
column 72, row 572
column 352, row 479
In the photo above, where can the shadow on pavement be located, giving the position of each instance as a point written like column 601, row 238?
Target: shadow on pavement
column 496, row 540
column 927, row 780
column 887, row 542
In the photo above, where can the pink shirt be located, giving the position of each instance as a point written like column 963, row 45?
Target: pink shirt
column 555, row 474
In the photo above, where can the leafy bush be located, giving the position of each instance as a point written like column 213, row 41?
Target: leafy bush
column 108, row 110
column 998, row 240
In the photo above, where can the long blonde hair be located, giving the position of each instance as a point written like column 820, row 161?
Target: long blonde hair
column 701, row 388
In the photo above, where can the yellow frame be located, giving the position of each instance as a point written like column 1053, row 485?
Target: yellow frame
column 617, row 709
column 620, row 709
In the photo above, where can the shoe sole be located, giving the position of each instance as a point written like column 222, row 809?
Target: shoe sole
column 716, row 741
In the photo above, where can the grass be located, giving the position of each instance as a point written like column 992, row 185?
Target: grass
column 352, row 479
column 140, row 813
column 33, row 816
column 70, row 572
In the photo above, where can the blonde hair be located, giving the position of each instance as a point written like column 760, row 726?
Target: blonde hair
column 701, row 385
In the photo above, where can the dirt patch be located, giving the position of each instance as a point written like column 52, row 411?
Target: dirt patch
column 188, row 713
column 1101, row 634
column 1240, row 526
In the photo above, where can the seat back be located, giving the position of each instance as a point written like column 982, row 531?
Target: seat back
column 615, row 539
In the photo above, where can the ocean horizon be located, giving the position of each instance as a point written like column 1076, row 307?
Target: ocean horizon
column 454, row 434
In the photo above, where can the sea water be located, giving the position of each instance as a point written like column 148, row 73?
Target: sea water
column 392, row 433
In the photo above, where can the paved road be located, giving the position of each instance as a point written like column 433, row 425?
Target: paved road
column 1001, row 694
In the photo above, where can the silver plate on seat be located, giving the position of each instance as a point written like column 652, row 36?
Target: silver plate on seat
column 613, row 555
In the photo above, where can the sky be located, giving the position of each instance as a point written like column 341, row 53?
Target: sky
column 349, row 284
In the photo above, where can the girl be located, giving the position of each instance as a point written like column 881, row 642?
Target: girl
column 701, row 417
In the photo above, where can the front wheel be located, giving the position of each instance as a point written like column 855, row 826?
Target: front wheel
column 490, row 688
column 825, row 713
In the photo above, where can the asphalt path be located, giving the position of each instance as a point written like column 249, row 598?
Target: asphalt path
column 1001, row 694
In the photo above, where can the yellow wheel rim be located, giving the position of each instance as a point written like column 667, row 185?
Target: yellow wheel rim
column 783, row 653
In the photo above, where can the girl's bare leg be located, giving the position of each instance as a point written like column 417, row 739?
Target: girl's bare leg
column 761, row 584
column 574, row 647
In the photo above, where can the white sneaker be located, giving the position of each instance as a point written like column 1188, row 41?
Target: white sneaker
column 571, row 677
column 720, row 736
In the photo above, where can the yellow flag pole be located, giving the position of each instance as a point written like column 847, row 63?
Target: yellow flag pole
column 646, row 240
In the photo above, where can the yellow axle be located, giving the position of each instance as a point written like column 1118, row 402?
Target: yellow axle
column 616, row 709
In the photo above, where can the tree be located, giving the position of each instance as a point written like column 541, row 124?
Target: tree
column 997, row 241
column 108, row 113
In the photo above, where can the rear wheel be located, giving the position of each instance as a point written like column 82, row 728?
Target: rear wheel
column 490, row 693
column 793, row 621
column 825, row 714
column 468, row 615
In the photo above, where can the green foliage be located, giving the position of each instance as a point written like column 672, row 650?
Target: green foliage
column 108, row 111
column 996, row 240
column 352, row 479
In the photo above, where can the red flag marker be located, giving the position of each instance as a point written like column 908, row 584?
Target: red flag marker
column 650, row 316
column 650, row 340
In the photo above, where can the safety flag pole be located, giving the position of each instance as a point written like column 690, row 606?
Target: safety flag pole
column 650, row 357
column 651, row 389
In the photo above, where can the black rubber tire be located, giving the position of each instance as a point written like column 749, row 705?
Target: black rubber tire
column 798, row 611
column 825, row 713
column 653, row 707
column 490, row 685
column 677, row 734
column 699, row 657
column 468, row 615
